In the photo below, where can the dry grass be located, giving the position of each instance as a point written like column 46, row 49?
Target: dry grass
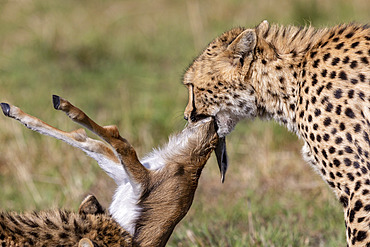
column 122, row 62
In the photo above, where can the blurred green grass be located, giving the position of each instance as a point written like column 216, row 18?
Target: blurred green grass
column 122, row 62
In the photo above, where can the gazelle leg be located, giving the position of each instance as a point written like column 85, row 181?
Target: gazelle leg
column 98, row 150
column 110, row 134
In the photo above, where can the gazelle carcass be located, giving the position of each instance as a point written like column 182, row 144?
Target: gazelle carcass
column 152, row 196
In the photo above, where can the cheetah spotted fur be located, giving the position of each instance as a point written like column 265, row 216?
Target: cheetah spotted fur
column 316, row 82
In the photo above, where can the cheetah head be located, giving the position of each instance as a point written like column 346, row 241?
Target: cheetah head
column 218, row 81
column 219, row 85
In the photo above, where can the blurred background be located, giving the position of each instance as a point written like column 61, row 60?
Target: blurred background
column 122, row 62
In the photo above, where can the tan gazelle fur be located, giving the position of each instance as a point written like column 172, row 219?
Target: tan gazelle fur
column 152, row 196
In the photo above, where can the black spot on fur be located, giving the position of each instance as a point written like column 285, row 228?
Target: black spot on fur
column 51, row 224
column 354, row 81
column 335, row 61
column 338, row 110
column 337, row 163
column 324, row 154
column 312, row 137
column 325, row 43
column 350, row 176
column 366, row 138
column 331, row 184
column 353, row 64
column 342, row 126
column 313, row 54
column 323, row 172
column 361, row 235
column 343, row 75
column 349, row 113
column 348, row 149
column 354, row 44
column 350, row 93
column 349, row 35
column 358, row 205
column 338, row 93
column 326, row 56
column 364, row 60
column 346, row 60
column 319, row 90
column 327, row 121
column 316, row 63
column 338, row 140
column 362, row 77
column 326, row 137
column 349, row 137
column 63, row 235
column 361, row 95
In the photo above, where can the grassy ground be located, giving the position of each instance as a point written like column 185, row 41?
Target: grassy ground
column 122, row 62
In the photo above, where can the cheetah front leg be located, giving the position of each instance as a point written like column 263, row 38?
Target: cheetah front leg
column 355, row 205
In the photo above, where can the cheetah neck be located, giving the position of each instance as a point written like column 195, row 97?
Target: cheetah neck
column 276, row 70
column 277, row 91
column 292, row 41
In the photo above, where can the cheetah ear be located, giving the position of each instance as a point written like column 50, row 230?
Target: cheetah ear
column 244, row 44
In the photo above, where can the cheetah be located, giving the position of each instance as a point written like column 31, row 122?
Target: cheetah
column 316, row 82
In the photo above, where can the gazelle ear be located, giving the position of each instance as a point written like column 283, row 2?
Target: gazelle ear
column 244, row 44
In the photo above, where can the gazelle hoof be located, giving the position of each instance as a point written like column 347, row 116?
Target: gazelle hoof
column 56, row 102
column 6, row 109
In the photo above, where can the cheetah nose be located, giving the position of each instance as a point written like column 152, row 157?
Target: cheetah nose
column 186, row 118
